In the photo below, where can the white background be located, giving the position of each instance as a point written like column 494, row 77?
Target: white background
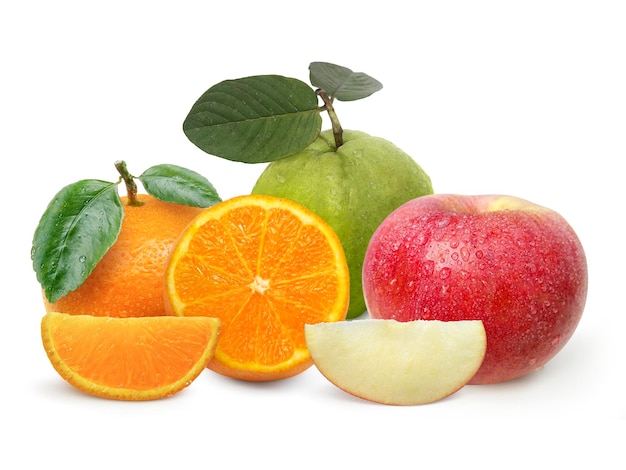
column 522, row 98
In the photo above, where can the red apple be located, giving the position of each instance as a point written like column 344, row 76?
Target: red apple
column 517, row 266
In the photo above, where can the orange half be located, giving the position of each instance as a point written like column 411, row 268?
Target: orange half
column 264, row 266
column 129, row 358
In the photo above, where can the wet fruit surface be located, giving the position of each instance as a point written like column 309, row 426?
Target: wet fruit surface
column 128, row 281
column 521, row 270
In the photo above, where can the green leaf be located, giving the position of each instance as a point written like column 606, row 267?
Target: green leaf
column 342, row 83
column 78, row 227
column 172, row 183
column 255, row 119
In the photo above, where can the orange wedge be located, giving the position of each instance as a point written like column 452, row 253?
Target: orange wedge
column 129, row 358
column 264, row 266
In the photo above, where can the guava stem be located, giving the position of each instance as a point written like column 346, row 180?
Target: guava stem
column 334, row 120
column 129, row 181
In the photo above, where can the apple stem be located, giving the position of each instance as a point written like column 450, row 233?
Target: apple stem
column 334, row 120
column 129, row 181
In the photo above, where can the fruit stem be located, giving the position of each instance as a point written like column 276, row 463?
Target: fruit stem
column 129, row 181
column 334, row 120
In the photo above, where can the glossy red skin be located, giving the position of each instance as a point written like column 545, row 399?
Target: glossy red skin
column 521, row 270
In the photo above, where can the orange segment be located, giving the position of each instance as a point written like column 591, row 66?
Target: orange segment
column 129, row 358
column 265, row 267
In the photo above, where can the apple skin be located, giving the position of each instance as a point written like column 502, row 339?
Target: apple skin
column 517, row 266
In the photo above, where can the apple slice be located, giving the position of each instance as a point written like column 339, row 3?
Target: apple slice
column 398, row 363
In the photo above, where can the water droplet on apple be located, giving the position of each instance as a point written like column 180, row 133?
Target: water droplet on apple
column 428, row 268
column 82, row 258
column 444, row 221
column 479, row 254
column 454, row 244
column 455, row 256
column 556, row 340
column 422, row 239
column 465, row 254
column 445, row 273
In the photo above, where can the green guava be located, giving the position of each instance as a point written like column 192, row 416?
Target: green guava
column 353, row 188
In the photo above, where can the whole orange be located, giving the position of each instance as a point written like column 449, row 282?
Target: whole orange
column 129, row 280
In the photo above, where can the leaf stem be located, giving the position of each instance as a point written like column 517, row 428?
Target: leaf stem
column 334, row 120
column 129, row 181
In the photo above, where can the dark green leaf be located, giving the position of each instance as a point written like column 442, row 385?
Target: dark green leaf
column 255, row 119
column 172, row 183
column 78, row 227
column 342, row 83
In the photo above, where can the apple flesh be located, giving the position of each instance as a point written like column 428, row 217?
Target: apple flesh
column 397, row 363
column 517, row 266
